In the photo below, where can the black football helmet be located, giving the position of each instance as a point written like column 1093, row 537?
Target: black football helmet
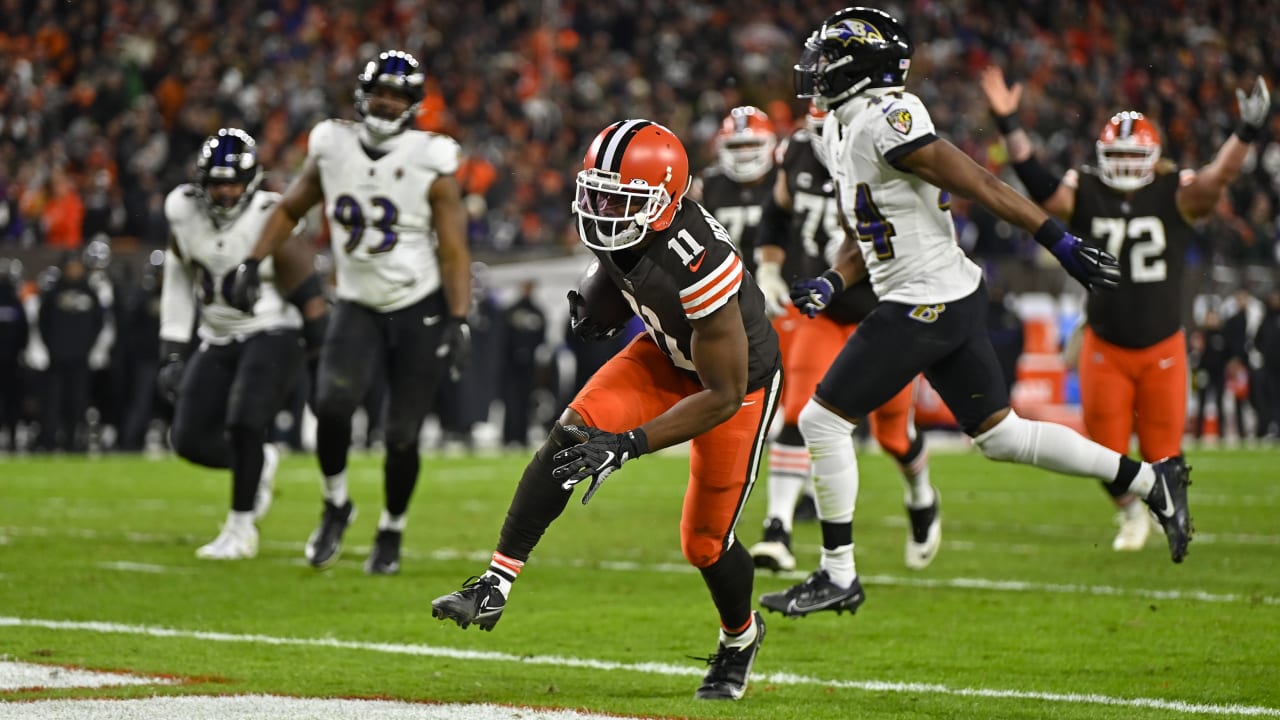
column 855, row 49
column 398, row 71
column 228, row 156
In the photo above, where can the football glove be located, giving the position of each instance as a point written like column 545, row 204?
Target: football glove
column 1254, row 109
column 769, row 278
column 1093, row 267
column 582, row 325
column 813, row 295
column 455, row 346
column 246, row 286
column 169, row 379
column 597, row 457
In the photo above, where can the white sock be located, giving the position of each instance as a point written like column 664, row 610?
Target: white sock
column 240, row 521
column 1143, row 481
column 742, row 639
column 788, row 470
column 504, row 585
column 392, row 522
column 335, row 488
column 919, row 492
column 839, row 565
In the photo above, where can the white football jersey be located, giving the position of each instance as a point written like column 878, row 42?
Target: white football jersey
column 384, row 243
column 904, row 224
column 209, row 257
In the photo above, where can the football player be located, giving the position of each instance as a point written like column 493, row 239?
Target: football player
column 227, row 396
column 736, row 187
column 707, row 370
column 894, row 177
column 1139, row 207
column 403, row 287
column 798, row 238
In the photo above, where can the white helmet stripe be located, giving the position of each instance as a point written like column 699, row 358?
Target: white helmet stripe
column 610, row 159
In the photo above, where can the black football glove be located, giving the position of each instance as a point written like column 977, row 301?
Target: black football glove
column 812, row 295
column 455, row 346
column 246, row 286
column 169, row 379
column 597, row 457
column 582, row 325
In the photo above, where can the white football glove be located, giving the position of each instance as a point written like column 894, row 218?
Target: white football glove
column 1256, row 106
column 776, row 291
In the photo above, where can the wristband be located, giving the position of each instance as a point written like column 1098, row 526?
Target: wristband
column 837, row 282
column 639, row 441
column 1049, row 233
column 1247, row 133
column 1007, row 123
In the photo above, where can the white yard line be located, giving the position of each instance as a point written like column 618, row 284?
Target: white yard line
column 650, row 668
column 16, row 676
column 255, row 707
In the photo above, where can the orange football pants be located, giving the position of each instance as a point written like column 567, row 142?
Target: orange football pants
column 808, row 349
column 1123, row 388
column 640, row 383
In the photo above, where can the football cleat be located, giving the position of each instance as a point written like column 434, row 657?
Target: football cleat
column 1168, row 501
column 774, row 551
column 1135, row 527
column 325, row 544
column 924, row 537
column 816, row 593
column 231, row 544
column 384, row 559
column 727, row 677
column 266, row 482
column 479, row 602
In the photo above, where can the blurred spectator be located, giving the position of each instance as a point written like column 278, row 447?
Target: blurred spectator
column 524, row 332
column 1209, row 348
column 63, row 213
column 138, row 324
column 71, row 316
column 1267, row 341
column 13, row 341
column 1243, row 314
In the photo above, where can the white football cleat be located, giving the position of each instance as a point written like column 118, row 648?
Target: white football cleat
column 266, row 481
column 774, row 551
column 231, row 544
column 1135, row 528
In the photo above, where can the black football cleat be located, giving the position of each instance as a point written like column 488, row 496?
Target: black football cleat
column 727, row 677
column 384, row 558
column 1168, row 502
column 816, row 593
column 325, row 544
column 479, row 602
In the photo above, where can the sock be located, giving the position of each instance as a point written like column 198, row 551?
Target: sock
column 241, row 521
column 335, row 488
column 788, row 470
column 505, row 570
column 1144, row 481
column 914, row 466
column 1126, row 473
column 839, row 565
column 742, row 638
column 392, row 522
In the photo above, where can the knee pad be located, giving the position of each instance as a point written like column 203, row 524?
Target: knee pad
column 1009, row 441
column 823, row 429
column 700, row 551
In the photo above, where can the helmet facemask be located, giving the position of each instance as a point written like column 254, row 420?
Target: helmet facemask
column 230, row 157
column 621, row 213
column 1127, row 165
column 395, row 71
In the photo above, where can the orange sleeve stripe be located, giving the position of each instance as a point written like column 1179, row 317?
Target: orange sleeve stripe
column 725, row 284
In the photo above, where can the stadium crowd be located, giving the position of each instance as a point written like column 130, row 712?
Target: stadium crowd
column 104, row 104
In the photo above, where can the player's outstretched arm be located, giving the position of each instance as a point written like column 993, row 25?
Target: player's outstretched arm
column 1198, row 197
column 1042, row 187
column 946, row 166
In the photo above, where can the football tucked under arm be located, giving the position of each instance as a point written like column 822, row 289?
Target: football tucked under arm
column 597, row 309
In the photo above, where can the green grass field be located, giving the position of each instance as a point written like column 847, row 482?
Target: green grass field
column 1026, row 613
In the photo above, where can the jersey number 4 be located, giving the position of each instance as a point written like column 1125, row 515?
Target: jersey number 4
column 348, row 212
column 1146, row 251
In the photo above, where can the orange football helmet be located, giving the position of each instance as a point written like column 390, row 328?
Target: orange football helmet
column 745, row 143
column 1128, row 150
column 633, row 179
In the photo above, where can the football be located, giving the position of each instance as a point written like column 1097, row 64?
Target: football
column 597, row 308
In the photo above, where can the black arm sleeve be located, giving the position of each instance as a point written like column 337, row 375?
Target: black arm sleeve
column 775, row 224
column 1039, row 183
